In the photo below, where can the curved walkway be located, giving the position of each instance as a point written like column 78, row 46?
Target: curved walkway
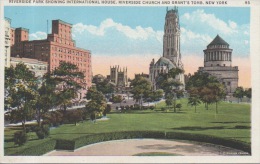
column 131, row 147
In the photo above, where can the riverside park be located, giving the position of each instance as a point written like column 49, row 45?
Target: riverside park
column 230, row 127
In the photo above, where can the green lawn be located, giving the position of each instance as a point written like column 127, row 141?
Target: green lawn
column 232, row 121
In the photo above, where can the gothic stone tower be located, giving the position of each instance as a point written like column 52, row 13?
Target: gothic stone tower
column 171, row 50
column 171, row 38
column 218, row 62
column 118, row 76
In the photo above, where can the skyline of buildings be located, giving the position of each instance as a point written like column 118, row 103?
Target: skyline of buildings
column 113, row 34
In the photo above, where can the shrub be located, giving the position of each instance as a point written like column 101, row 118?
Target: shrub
column 43, row 131
column 131, row 107
column 178, row 106
column 40, row 134
column 20, row 137
column 27, row 129
column 163, row 109
column 151, row 107
column 136, row 107
column 54, row 118
column 116, row 107
column 127, row 107
column 107, row 110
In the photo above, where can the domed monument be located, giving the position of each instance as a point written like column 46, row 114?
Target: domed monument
column 171, row 49
column 218, row 62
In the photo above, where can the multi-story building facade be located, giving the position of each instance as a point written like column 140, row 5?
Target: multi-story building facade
column 218, row 62
column 7, row 45
column 38, row 67
column 57, row 47
column 171, row 50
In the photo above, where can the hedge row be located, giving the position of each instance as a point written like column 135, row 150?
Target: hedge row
column 86, row 140
column 91, row 139
column 39, row 149
column 210, row 139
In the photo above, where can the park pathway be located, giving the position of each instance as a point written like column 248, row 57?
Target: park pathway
column 130, row 147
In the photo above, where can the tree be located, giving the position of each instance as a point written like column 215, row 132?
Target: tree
column 140, row 88
column 47, row 98
column 248, row 93
column 218, row 91
column 117, row 99
column 105, row 87
column 170, row 85
column 208, row 88
column 169, row 100
column 20, row 91
column 194, row 98
column 97, row 103
column 70, row 79
column 239, row 93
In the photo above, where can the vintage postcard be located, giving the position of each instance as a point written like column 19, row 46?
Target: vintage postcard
column 130, row 81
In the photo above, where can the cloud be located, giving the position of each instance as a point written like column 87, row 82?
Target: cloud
column 199, row 18
column 111, row 37
column 199, row 28
column 38, row 35
column 132, row 33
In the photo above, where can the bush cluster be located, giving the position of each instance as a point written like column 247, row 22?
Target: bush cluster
column 43, row 131
column 54, row 118
column 20, row 138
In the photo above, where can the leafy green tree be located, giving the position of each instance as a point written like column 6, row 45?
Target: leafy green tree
column 208, row 88
column 239, row 93
column 140, row 88
column 97, row 103
column 169, row 84
column 105, row 87
column 169, row 100
column 70, row 79
column 117, row 99
column 194, row 98
column 218, row 91
column 47, row 98
column 248, row 93
column 20, row 91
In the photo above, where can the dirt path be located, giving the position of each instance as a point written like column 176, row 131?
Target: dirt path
column 135, row 146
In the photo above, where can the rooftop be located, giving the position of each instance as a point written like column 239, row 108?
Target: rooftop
column 218, row 41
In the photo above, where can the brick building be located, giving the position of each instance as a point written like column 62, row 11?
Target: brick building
column 58, row 46
column 38, row 67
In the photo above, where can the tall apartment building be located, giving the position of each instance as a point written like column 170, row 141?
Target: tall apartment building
column 7, row 45
column 58, row 46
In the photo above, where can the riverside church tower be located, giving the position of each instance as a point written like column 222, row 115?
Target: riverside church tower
column 171, row 37
column 171, row 49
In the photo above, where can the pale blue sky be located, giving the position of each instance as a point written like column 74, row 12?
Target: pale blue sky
column 138, row 30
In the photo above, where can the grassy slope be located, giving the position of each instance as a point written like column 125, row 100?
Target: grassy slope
column 232, row 121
